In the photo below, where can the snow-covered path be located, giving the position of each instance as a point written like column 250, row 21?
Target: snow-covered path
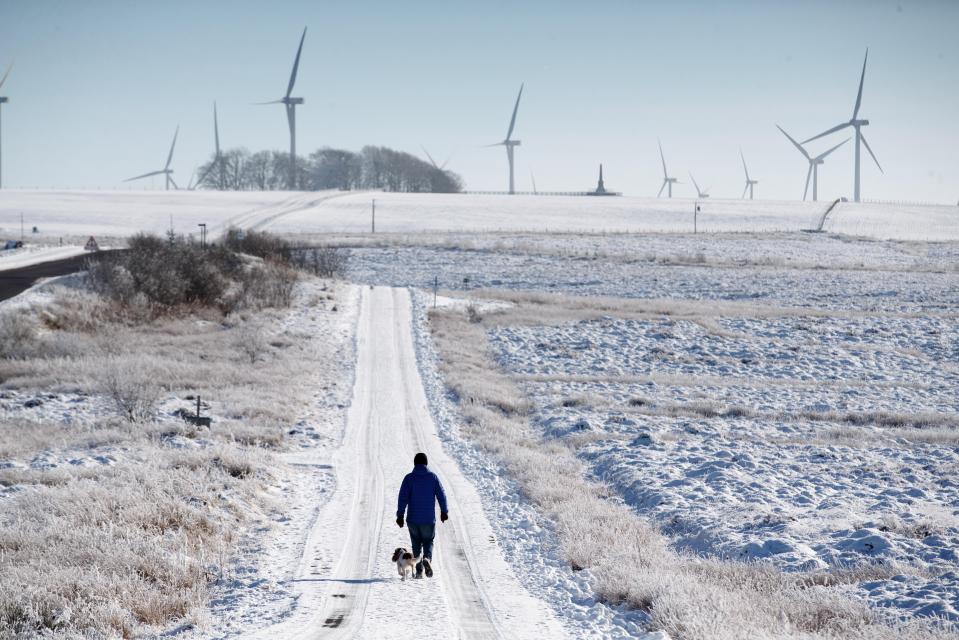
column 346, row 585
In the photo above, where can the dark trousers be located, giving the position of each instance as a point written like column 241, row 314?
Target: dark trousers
column 421, row 535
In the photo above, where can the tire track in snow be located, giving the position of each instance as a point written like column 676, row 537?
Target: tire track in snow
column 262, row 217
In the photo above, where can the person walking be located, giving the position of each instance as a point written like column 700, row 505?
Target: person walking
column 420, row 491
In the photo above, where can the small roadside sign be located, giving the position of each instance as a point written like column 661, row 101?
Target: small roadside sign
column 91, row 245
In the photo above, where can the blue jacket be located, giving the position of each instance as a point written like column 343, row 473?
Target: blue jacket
column 417, row 492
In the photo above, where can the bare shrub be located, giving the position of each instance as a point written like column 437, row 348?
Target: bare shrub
column 258, row 243
column 268, row 285
column 132, row 388
column 17, row 335
column 251, row 342
column 162, row 274
column 326, row 261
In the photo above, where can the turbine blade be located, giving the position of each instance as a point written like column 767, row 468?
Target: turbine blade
column 512, row 122
column 146, row 175
column 838, row 127
column 169, row 158
column 665, row 182
column 663, row 158
column 259, row 104
column 869, row 149
column 495, row 144
column 4, row 78
column 289, row 119
column 862, row 78
column 296, row 64
column 700, row 193
column 744, row 191
column 808, row 176
column 432, row 161
column 826, row 153
column 796, row 144
column 175, row 186
column 744, row 163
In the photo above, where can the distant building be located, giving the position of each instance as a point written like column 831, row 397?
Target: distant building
column 601, row 188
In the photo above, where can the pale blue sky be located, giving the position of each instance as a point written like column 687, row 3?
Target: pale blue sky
column 99, row 87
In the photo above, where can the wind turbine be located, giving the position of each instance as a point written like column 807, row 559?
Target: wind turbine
column 509, row 143
column 699, row 192
column 166, row 170
column 3, row 101
column 813, row 164
column 217, row 158
column 667, row 181
column 749, row 182
column 290, row 103
column 856, row 123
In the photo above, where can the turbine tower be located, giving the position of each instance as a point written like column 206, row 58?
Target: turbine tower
column 856, row 123
column 166, row 170
column 667, row 181
column 217, row 157
column 290, row 103
column 749, row 182
column 3, row 101
column 699, row 192
column 813, row 164
column 509, row 143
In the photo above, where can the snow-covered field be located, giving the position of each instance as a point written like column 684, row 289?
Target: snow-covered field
column 78, row 214
column 805, row 445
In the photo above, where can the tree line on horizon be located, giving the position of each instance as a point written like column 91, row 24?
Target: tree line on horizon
column 372, row 168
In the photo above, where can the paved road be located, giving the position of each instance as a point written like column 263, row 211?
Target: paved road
column 15, row 281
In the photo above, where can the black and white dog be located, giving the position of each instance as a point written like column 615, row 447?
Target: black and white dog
column 405, row 562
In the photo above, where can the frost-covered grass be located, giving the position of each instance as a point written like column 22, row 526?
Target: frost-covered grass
column 629, row 560
column 115, row 527
column 119, row 546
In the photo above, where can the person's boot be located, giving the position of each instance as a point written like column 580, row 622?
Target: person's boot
column 419, row 570
column 429, row 567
